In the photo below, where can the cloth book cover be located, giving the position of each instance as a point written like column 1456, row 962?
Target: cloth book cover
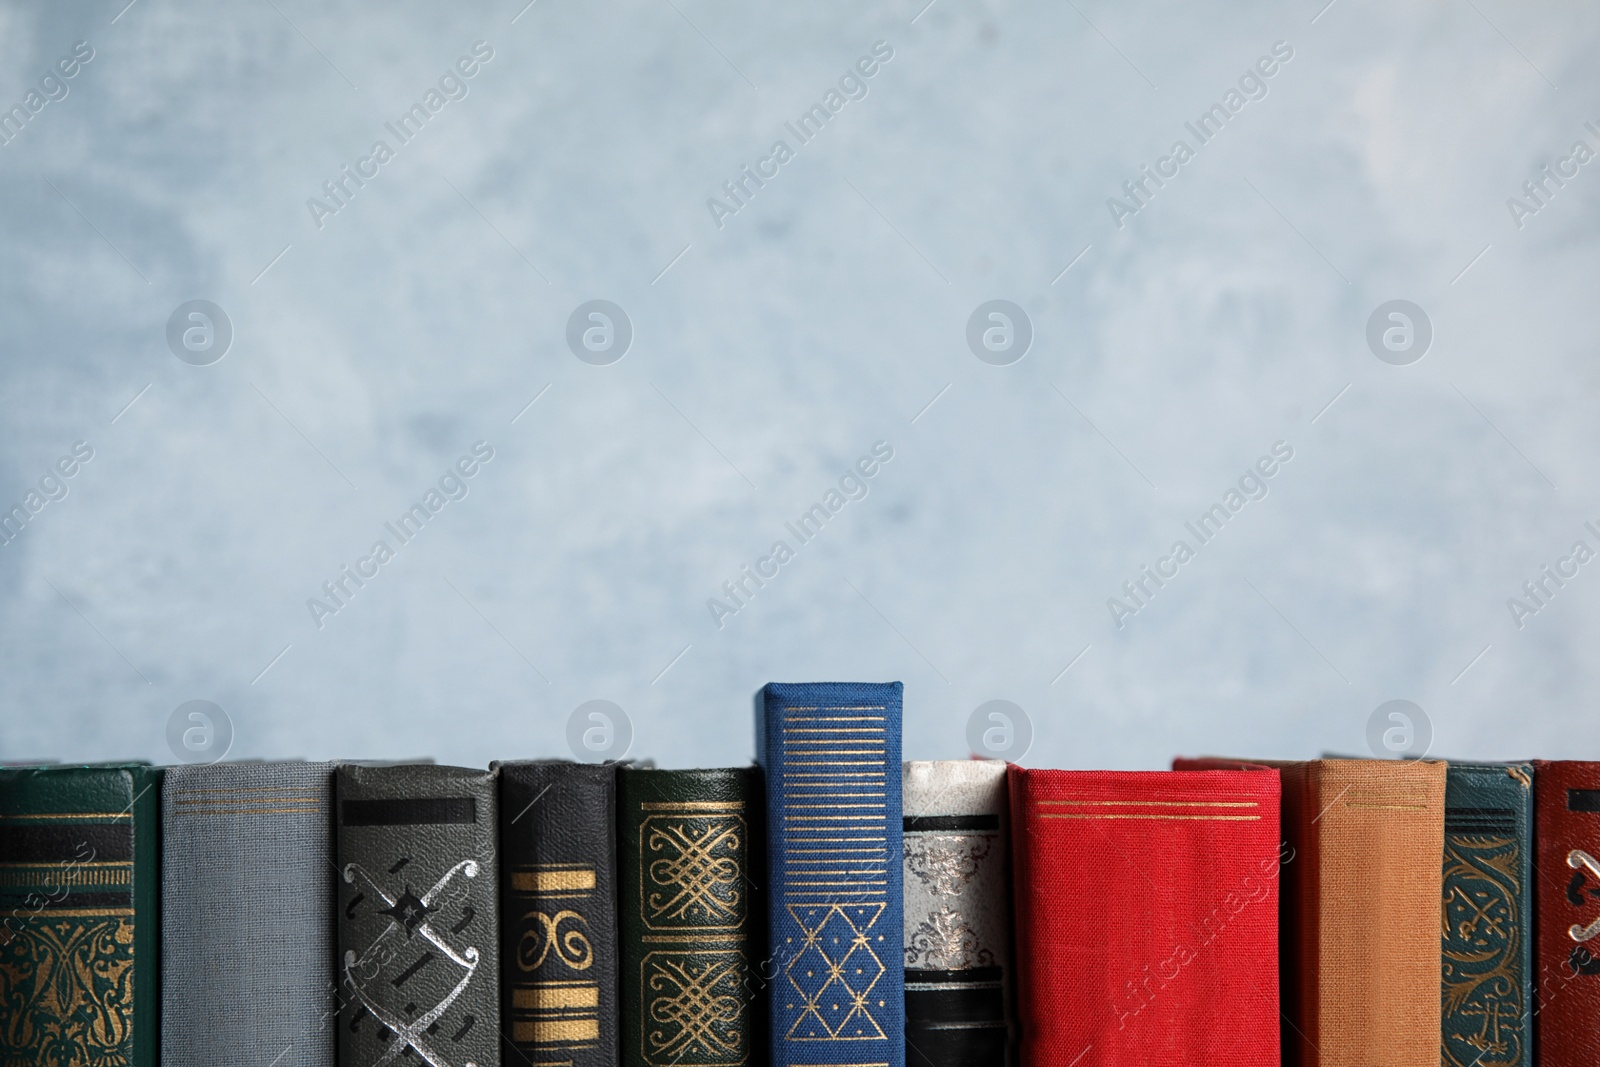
column 957, row 913
column 417, row 919
column 558, row 835
column 831, row 752
column 1566, row 812
column 689, row 867
column 80, row 891
column 1147, row 917
column 247, row 956
column 1487, row 970
column 1362, row 881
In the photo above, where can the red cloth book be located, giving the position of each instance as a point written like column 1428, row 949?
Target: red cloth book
column 1566, row 877
column 1147, row 917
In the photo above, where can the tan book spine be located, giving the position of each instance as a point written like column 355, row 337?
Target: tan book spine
column 1378, row 828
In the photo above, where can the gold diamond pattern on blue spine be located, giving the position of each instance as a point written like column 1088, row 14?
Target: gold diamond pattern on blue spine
column 835, row 972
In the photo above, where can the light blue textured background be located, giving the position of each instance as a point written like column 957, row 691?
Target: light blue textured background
column 823, row 317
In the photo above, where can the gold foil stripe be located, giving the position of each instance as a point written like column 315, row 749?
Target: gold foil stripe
column 555, row 1031
column 268, row 790
column 692, row 805
column 834, row 730
column 840, row 840
column 553, row 881
column 189, row 812
column 9, row 865
column 833, row 774
column 1385, row 807
column 52, row 815
column 693, row 939
column 1162, row 803
column 549, row 997
column 837, row 763
column 550, row 982
column 1052, row 815
column 86, row 913
column 820, row 807
column 57, row 876
column 832, row 851
column 239, row 802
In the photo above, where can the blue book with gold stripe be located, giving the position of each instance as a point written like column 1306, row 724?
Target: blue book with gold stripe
column 831, row 753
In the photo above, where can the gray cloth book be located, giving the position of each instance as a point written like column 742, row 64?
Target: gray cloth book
column 247, row 915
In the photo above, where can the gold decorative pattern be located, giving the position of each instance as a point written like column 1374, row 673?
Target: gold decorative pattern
column 1480, row 948
column 834, row 973
column 693, row 1001
column 689, row 866
column 694, row 1005
column 549, row 1011
column 67, row 990
column 571, row 946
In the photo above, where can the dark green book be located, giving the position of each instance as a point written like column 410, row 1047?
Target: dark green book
column 80, row 933
column 692, row 920
column 1487, row 961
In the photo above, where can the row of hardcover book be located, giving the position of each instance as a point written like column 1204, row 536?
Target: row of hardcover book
column 829, row 907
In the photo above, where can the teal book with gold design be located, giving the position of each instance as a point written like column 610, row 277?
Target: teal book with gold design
column 1487, row 961
column 80, row 935
column 693, row 919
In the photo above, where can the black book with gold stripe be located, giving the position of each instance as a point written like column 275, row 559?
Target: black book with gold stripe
column 80, row 935
column 559, row 912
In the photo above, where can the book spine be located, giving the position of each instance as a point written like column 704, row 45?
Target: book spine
column 1146, row 899
column 957, row 945
column 1486, row 971
column 558, row 839
column 1380, row 830
column 831, row 752
column 418, row 928
column 80, row 937
column 692, row 918
column 1567, row 912
column 245, row 969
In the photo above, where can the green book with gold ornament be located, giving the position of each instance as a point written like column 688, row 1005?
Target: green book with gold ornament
column 693, row 921
column 80, row 937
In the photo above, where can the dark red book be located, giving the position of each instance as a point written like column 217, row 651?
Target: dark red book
column 1566, row 877
column 1147, row 915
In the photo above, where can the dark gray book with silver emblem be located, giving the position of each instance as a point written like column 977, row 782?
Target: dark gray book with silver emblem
column 247, row 915
column 418, row 964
